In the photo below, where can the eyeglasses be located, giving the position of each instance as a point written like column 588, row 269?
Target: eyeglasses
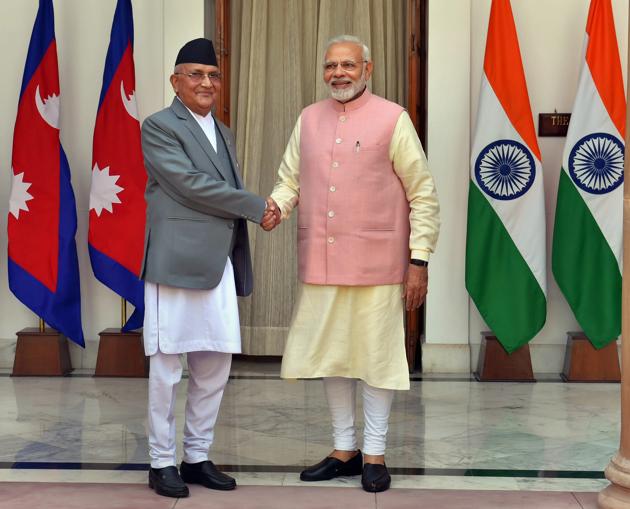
column 198, row 77
column 346, row 65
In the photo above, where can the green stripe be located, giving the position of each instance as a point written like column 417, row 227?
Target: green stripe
column 585, row 267
column 498, row 279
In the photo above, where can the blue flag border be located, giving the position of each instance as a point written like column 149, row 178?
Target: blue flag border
column 60, row 309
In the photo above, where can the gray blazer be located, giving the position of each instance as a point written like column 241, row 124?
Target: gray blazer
column 193, row 215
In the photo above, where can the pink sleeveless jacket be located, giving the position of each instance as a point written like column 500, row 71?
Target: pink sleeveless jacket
column 353, row 224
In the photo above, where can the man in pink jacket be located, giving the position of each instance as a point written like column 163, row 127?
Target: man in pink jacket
column 368, row 221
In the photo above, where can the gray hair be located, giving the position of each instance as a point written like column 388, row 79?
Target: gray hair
column 352, row 39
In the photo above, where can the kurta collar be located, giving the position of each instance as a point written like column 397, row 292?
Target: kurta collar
column 355, row 104
column 206, row 123
column 208, row 119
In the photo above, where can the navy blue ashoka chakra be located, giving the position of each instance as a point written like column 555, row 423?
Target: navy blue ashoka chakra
column 505, row 169
column 596, row 163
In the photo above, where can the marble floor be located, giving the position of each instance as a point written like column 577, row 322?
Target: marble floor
column 543, row 439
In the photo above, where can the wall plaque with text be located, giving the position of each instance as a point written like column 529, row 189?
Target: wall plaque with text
column 553, row 124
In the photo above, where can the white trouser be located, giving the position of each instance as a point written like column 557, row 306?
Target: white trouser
column 208, row 374
column 341, row 395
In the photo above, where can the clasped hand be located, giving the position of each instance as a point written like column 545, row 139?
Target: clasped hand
column 272, row 216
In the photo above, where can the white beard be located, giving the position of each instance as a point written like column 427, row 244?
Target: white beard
column 345, row 94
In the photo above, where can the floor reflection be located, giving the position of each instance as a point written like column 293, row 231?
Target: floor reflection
column 439, row 428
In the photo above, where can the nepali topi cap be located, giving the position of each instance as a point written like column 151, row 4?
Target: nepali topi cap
column 197, row 51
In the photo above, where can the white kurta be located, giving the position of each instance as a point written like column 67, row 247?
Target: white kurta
column 179, row 320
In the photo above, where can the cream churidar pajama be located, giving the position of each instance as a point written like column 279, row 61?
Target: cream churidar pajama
column 341, row 396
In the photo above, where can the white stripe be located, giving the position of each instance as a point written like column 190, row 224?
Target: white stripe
column 590, row 116
column 523, row 217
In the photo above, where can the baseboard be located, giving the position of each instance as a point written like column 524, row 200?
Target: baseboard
column 436, row 357
column 462, row 358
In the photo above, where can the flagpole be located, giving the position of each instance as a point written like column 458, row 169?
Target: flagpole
column 617, row 494
column 42, row 325
column 123, row 312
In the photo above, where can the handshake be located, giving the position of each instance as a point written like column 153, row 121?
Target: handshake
column 272, row 216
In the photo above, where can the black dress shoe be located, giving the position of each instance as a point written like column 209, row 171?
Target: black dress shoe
column 375, row 478
column 330, row 468
column 167, row 482
column 206, row 474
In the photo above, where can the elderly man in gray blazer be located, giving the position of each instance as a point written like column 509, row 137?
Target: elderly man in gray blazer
column 196, row 261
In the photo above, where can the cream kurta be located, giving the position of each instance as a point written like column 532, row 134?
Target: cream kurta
column 357, row 331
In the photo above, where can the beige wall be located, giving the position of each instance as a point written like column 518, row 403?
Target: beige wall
column 82, row 31
column 550, row 33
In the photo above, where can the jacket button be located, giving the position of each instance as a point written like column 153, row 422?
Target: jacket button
column 331, row 240
column 335, row 164
column 331, row 213
column 338, row 141
column 333, row 189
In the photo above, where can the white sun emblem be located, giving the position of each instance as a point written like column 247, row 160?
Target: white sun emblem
column 103, row 191
column 19, row 195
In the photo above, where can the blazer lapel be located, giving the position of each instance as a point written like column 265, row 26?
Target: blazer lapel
column 194, row 128
column 231, row 151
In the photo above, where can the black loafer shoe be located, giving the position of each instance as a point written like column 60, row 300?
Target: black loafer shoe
column 206, row 474
column 330, row 468
column 167, row 482
column 375, row 478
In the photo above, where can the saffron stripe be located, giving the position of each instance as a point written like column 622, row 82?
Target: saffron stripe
column 602, row 57
column 503, row 67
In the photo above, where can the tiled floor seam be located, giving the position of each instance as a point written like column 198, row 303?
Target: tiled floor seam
column 577, row 500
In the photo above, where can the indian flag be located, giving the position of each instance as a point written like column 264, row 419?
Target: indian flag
column 505, row 244
column 587, row 237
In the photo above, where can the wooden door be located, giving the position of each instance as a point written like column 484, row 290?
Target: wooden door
column 417, row 35
column 217, row 29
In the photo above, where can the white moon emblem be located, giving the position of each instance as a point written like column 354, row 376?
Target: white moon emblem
column 129, row 102
column 48, row 108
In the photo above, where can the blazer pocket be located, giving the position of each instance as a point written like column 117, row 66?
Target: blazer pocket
column 198, row 219
column 189, row 244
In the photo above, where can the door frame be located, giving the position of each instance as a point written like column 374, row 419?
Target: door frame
column 217, row 28
column 417, row 43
